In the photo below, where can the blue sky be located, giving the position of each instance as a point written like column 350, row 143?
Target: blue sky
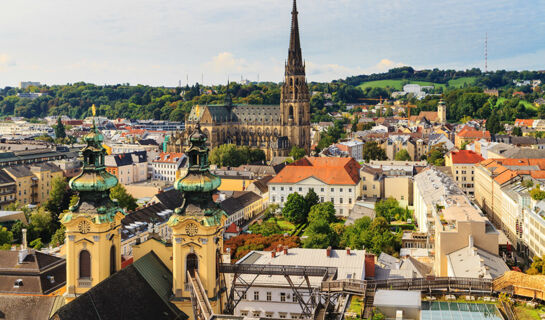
column 160, row 42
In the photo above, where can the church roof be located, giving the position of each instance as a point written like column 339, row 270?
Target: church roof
column 140, row 291
column 237, row 113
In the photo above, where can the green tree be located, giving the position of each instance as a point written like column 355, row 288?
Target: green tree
column 390, row 210
column 297, row 153
column 60, row 131
column 295, row 209
column 58, row 237
column 124, row 199
column 37, row 244
column 41, row 224
column 517, row 131
column 537, row 194
column 266, row 228
column 436, row 155
column 17, row 230
column 324, row 211
column 311, row 199
column 372, row 151
column 319, row 235
column 59, row 197
column 6, row 238
column 402, row 155
column 493, row 124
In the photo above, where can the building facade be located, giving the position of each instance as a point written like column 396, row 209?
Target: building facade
column 272, row 128
column 333, row 179
column 462, row 164
column 128, row 167
column 166, row 166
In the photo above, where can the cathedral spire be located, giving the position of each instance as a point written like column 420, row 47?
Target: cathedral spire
column 295, row 57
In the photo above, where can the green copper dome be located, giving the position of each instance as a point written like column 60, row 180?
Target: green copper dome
column 198, row 177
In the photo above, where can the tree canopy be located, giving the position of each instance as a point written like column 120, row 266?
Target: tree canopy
column 372, row 151
column 124, row 199
column 295, row 209
column 297, row 153
column 402, row 155
column 230, row 155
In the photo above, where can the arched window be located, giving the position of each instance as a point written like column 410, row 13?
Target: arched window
column 191, row 263
column 84, row 264
column 290, row 112
column 113, row 260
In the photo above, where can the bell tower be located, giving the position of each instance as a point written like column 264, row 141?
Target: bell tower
column 442, row 112
column 197, row 231
column 295, row 97
column 93, row 241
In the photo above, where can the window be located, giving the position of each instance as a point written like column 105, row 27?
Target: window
column 349, row 189
column 290, row 188
column 321, row 199
column 349, row 200
column 269, row 314
column 274, row 188
column 300, row 189
column 402, row 197
column 243, row 293
column 273, row 199
column 340, row 200
column 364, row 188
column 341, row 211
column 322, row 189
column 84, row 264
column 282, row 297
column 282, row 315
column 281, row 188
column 256, row 314
column 332, row 190
column 244, row 313
column 294, row 298
column 269, row 296
column 282, row 199
column 333, row 200
column 256, row 295
column 341, row 190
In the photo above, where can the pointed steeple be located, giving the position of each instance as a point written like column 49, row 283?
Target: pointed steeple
column 295, row 56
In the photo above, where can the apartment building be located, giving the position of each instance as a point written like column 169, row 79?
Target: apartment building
column 33, row 183
column 353, row 149
column 457, row 228
column 128, row 167
column 385, row 179
column 242, row 207
column 468, row 135
column 166, row 166
column 416, row 147
column 333, row 179
column 8, row 190
column 462, row 163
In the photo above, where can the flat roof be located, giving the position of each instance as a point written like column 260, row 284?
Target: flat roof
column 398, row 299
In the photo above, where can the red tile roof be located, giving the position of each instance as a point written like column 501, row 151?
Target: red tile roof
column 232, row 228
column 330, row 170
column 169, row 157
column 503, row 174
column 465, row 156
column 470, row 132
column 524, row 122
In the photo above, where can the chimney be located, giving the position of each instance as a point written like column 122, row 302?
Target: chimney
column 24, row 240
column 470, row 242
column 286, row 250
column 369, row 266
column 273, row 254
column 328, row 251
column 279, row 248
column 347, row 251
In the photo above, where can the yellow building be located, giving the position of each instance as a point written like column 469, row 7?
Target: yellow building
column 93, row 240
column 462, row 163
column 33, row 183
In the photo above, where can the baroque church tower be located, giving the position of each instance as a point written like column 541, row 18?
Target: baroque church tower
column 93, row 240
column 197, row 232
column 295, row 97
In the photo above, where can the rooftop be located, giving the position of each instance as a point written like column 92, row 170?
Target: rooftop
column 397, row 299
column 465, row 156
column 329, row 170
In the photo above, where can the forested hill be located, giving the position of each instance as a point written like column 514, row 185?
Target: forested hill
column 160, row 103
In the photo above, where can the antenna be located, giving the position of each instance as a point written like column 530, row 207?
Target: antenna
column 187, row 79
column 486, row 53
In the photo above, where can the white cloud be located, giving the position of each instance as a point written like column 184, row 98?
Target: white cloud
column 327, row 72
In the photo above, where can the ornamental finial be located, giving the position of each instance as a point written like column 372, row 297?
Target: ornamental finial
column 94, row 109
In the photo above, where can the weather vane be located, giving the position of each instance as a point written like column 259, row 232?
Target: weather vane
column 94, row 109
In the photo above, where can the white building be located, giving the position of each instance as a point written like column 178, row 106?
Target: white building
column 26, row 84
column 166, row 166
column 333, row 179
column 272, row 296
column 128, row 167
column 353, row 148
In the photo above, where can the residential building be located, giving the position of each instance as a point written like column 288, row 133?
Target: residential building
column 15, row 158
column 70, row 167
column 452, row 222
column 8, row 190
column 333, row 179
column 166, row 166
column 462, row 164
column 26, row 84
column 468, row 135
column 390, row 179
column 354, row 149
column 242, row 207
column 272, row 296
column 33, row 183
column 128, row 167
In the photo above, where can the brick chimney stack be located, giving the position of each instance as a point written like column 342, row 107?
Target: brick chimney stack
column 328, row 251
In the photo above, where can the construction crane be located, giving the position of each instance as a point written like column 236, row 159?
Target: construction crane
column 409, row 107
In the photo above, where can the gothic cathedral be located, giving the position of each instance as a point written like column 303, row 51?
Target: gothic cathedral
column 273, row 128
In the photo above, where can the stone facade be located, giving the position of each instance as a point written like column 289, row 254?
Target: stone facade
column 273, row 128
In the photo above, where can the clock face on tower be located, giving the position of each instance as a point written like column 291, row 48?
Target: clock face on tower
column 191, row 229
column 84, row 227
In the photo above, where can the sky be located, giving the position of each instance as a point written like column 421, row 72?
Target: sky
column 161, row 42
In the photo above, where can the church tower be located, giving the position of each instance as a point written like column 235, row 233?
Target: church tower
column 442, row 112
column 197, row 231
column 295, row 97
column 93, row 240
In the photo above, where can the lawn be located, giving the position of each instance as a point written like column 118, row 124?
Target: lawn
column 524, row 313
column 285, row 225
column 459, row 82
column 396, row 84
column 527, row 104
